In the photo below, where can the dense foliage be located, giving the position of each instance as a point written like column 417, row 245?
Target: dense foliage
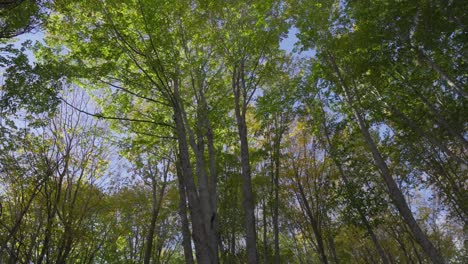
column 182, row 132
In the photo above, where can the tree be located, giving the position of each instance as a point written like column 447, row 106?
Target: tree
column 20, row 16
column 205, row 142
column 248, row 46
column 64, row 159
column 347, row 75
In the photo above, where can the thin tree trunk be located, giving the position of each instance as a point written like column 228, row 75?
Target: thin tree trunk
column 157, row 201
column 265, row 238
column 51, row 214
column 186, row 241
column 152, row 227
column 314, row 223
column 344, row 178
column 401, row 244
column 331, row 243
column 66, row 247
column 276, row 159
column 454, row 84
column 393, row 190
column 247, row 193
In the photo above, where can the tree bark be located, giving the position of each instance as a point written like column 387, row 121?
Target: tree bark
column 200, row 236
column 247, row 193
column 276, row 159
column 205, row 188
column 265, row 238
column 186, row 241
column 212, row 184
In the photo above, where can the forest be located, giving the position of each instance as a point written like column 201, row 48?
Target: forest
column 229, row 131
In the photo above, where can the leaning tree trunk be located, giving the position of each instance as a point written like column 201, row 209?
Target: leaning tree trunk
column 393, row 190
column 344, row 178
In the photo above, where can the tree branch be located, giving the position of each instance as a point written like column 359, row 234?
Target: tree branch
column 99, row 115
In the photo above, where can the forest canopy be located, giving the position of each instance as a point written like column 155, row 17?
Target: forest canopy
column 153, row 131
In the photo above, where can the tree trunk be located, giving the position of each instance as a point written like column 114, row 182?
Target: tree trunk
column 200, row 236
column 206, row 197
column 66, row 247
column 314, row 223
column 344, row 178
column 205, row 188
column 395, row 193
column 453, row 83
column 276, row 159
column 157, row 201
column 247, row 193
column 265, row 238
column 186, row 241
column 212, row 184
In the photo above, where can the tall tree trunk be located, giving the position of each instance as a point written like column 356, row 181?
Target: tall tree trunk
column 247, row 193
column 186, row 240
column 205, row 188
column 331, row 245
column 395, row 193
column 207, row 185
column 66, row 246
column 276, row 159
column 265, row 238
column 156, row 204
column 200, row 236
column 212, row 184
column 345, row 179
column 51, row 213
column 151, row 229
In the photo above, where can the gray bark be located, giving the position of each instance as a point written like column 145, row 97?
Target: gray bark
column 186, row 241
column 200, row 236
column 276, row 159
column 265, row 238
column 248, row 204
